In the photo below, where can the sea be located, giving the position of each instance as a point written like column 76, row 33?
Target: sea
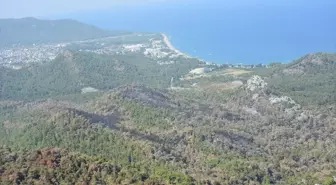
column 247, row 32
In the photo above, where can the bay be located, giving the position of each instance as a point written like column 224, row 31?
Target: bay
column 221, row 32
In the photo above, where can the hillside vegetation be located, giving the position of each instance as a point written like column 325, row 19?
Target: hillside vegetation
column 310, row 79
column 72, row 71
column 240, row 136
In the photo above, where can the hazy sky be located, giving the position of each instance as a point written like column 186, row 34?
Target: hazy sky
column 43, row 8
column 50, row 8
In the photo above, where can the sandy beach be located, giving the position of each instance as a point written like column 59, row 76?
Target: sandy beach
column 170, row 46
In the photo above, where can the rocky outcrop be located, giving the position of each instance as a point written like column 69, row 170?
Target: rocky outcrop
column 290, row 106
column 302, row 117
column 256, row 83
column 89, row 90
column 256, row 87
column 285, row 99
column 199, row 71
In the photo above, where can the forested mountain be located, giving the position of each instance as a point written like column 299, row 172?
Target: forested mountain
column 47, row 31
column 70, row 72
column 310, row 79
column 138, row 134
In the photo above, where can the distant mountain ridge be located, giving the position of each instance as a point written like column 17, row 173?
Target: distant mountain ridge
column 310, row 79
column 312, row 63
column 48, row 31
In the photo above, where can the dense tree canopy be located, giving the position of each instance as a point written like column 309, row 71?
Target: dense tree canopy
column 148, row 134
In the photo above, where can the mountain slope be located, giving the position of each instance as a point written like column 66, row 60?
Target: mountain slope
column 47, row 31
column 206, row 137
column 70, row 72
column 309, row 80
column 312, row 64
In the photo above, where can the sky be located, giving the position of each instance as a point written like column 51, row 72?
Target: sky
column 47, row 8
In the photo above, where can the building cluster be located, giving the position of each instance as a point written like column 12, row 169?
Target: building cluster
column 38, row 53
column 243, row 66
column 152, row 48
column 229, row 65
column 107, row 50
column 156, row 49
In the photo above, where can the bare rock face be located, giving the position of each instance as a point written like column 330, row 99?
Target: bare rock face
column 290, row 106
column 256, row 83
column 256, row 86
column 89, row 90
column 285, row 99
column 302, row 117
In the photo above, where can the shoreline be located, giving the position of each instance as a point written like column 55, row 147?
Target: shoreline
column 171, row 47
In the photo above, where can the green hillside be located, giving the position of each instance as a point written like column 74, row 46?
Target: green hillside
column 137, row 134
column 47, row 31
column 72, row 71
column 310, row 79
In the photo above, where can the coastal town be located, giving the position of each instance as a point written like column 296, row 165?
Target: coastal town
column 29, row 54
column 157, row 47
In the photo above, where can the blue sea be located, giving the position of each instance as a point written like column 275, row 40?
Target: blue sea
column 247, row 32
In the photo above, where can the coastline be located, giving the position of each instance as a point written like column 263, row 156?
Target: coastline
column 171, row 47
